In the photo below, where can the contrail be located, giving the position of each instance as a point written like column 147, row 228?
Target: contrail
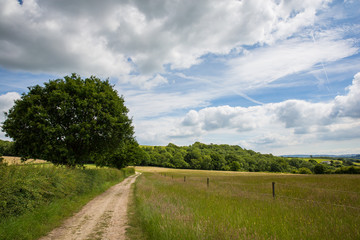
column 237, row 92
column 322, row 64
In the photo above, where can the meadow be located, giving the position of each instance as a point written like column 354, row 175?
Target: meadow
column 11, row 160
column 320, row 160
column 180, row 204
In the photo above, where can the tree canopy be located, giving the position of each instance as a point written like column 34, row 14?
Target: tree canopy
column 69, row 121
column 233, row 158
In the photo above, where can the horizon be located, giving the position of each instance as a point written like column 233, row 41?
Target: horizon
column 274, row 77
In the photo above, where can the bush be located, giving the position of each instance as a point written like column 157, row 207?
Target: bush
column 319, row 169
column 7, row 148
column 304, row 170
column 235, row 166
column 23, row 188
column 348, row 170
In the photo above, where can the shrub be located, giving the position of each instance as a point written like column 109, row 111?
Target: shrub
column 23, row 188
column 304, row 170
column 319, row 169
column 348, row 170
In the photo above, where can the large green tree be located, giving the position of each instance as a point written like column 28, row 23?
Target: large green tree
column 69, row 121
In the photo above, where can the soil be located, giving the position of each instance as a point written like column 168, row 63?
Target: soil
column 104, row 217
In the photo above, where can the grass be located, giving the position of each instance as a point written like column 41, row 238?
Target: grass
column 134, row 231
column 17, row 161
column 320, row 160
column 35, row 199
column 37, row 223
column 241, row 205
column 10, row 160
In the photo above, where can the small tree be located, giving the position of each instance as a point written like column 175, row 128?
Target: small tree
column 304, row 170
column 69, row 121
column 319, row 169
column 235, row 166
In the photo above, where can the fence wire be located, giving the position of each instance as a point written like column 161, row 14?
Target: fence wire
column 233, row 185
column 316, row 188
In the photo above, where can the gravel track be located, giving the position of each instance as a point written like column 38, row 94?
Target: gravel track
column 104, row 217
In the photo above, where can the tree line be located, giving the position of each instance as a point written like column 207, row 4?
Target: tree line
column 231, row 158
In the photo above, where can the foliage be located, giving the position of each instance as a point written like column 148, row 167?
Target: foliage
column 305, row 170
column 7, row 148
column 348, row 170
column 218, row 157
column 129, row 153
column 227, row 158
column 24, row 188
column 69, row 121
column 319, row 169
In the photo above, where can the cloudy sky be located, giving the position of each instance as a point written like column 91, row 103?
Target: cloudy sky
column 275, row 76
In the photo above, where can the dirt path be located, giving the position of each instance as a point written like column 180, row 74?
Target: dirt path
column 104, row 217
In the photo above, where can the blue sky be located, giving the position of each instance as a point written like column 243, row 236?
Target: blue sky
column 277, row 76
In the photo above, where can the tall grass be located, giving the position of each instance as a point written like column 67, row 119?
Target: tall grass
column 241, row 206
column 34, row 199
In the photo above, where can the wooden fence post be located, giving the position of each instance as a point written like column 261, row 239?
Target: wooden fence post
column 184, row 178
column 273, row 189
column 208, row 182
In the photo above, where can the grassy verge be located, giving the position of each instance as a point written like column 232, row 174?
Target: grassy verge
column 35, row 199
column 241, row 206
column 134, row 231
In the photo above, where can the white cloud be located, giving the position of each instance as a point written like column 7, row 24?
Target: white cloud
column 146, row 82
column 349, row 105
column 6, row 102
column 286, row 123
column 145, row 104
column 298, row 113
column 265, row 65
column 36, row 37
column 90, row 37
column 212, row 118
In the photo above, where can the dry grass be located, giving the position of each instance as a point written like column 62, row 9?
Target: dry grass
column 17, row 161
column 240, row 205
column 206, row 172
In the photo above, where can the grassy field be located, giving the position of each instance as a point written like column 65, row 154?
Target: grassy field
column 320, row 160
column 241, row 205
column 10, row 160
column 17, row 161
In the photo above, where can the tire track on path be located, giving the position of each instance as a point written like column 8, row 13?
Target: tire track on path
column 104, row 217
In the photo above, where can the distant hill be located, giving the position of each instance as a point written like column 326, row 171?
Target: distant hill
column 353, row 156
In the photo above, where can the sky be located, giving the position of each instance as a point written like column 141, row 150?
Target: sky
column 274, row 76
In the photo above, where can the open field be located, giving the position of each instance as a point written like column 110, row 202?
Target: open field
column 10, row 160
column 17, row 160
column 320, row 160
column 178, row 204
